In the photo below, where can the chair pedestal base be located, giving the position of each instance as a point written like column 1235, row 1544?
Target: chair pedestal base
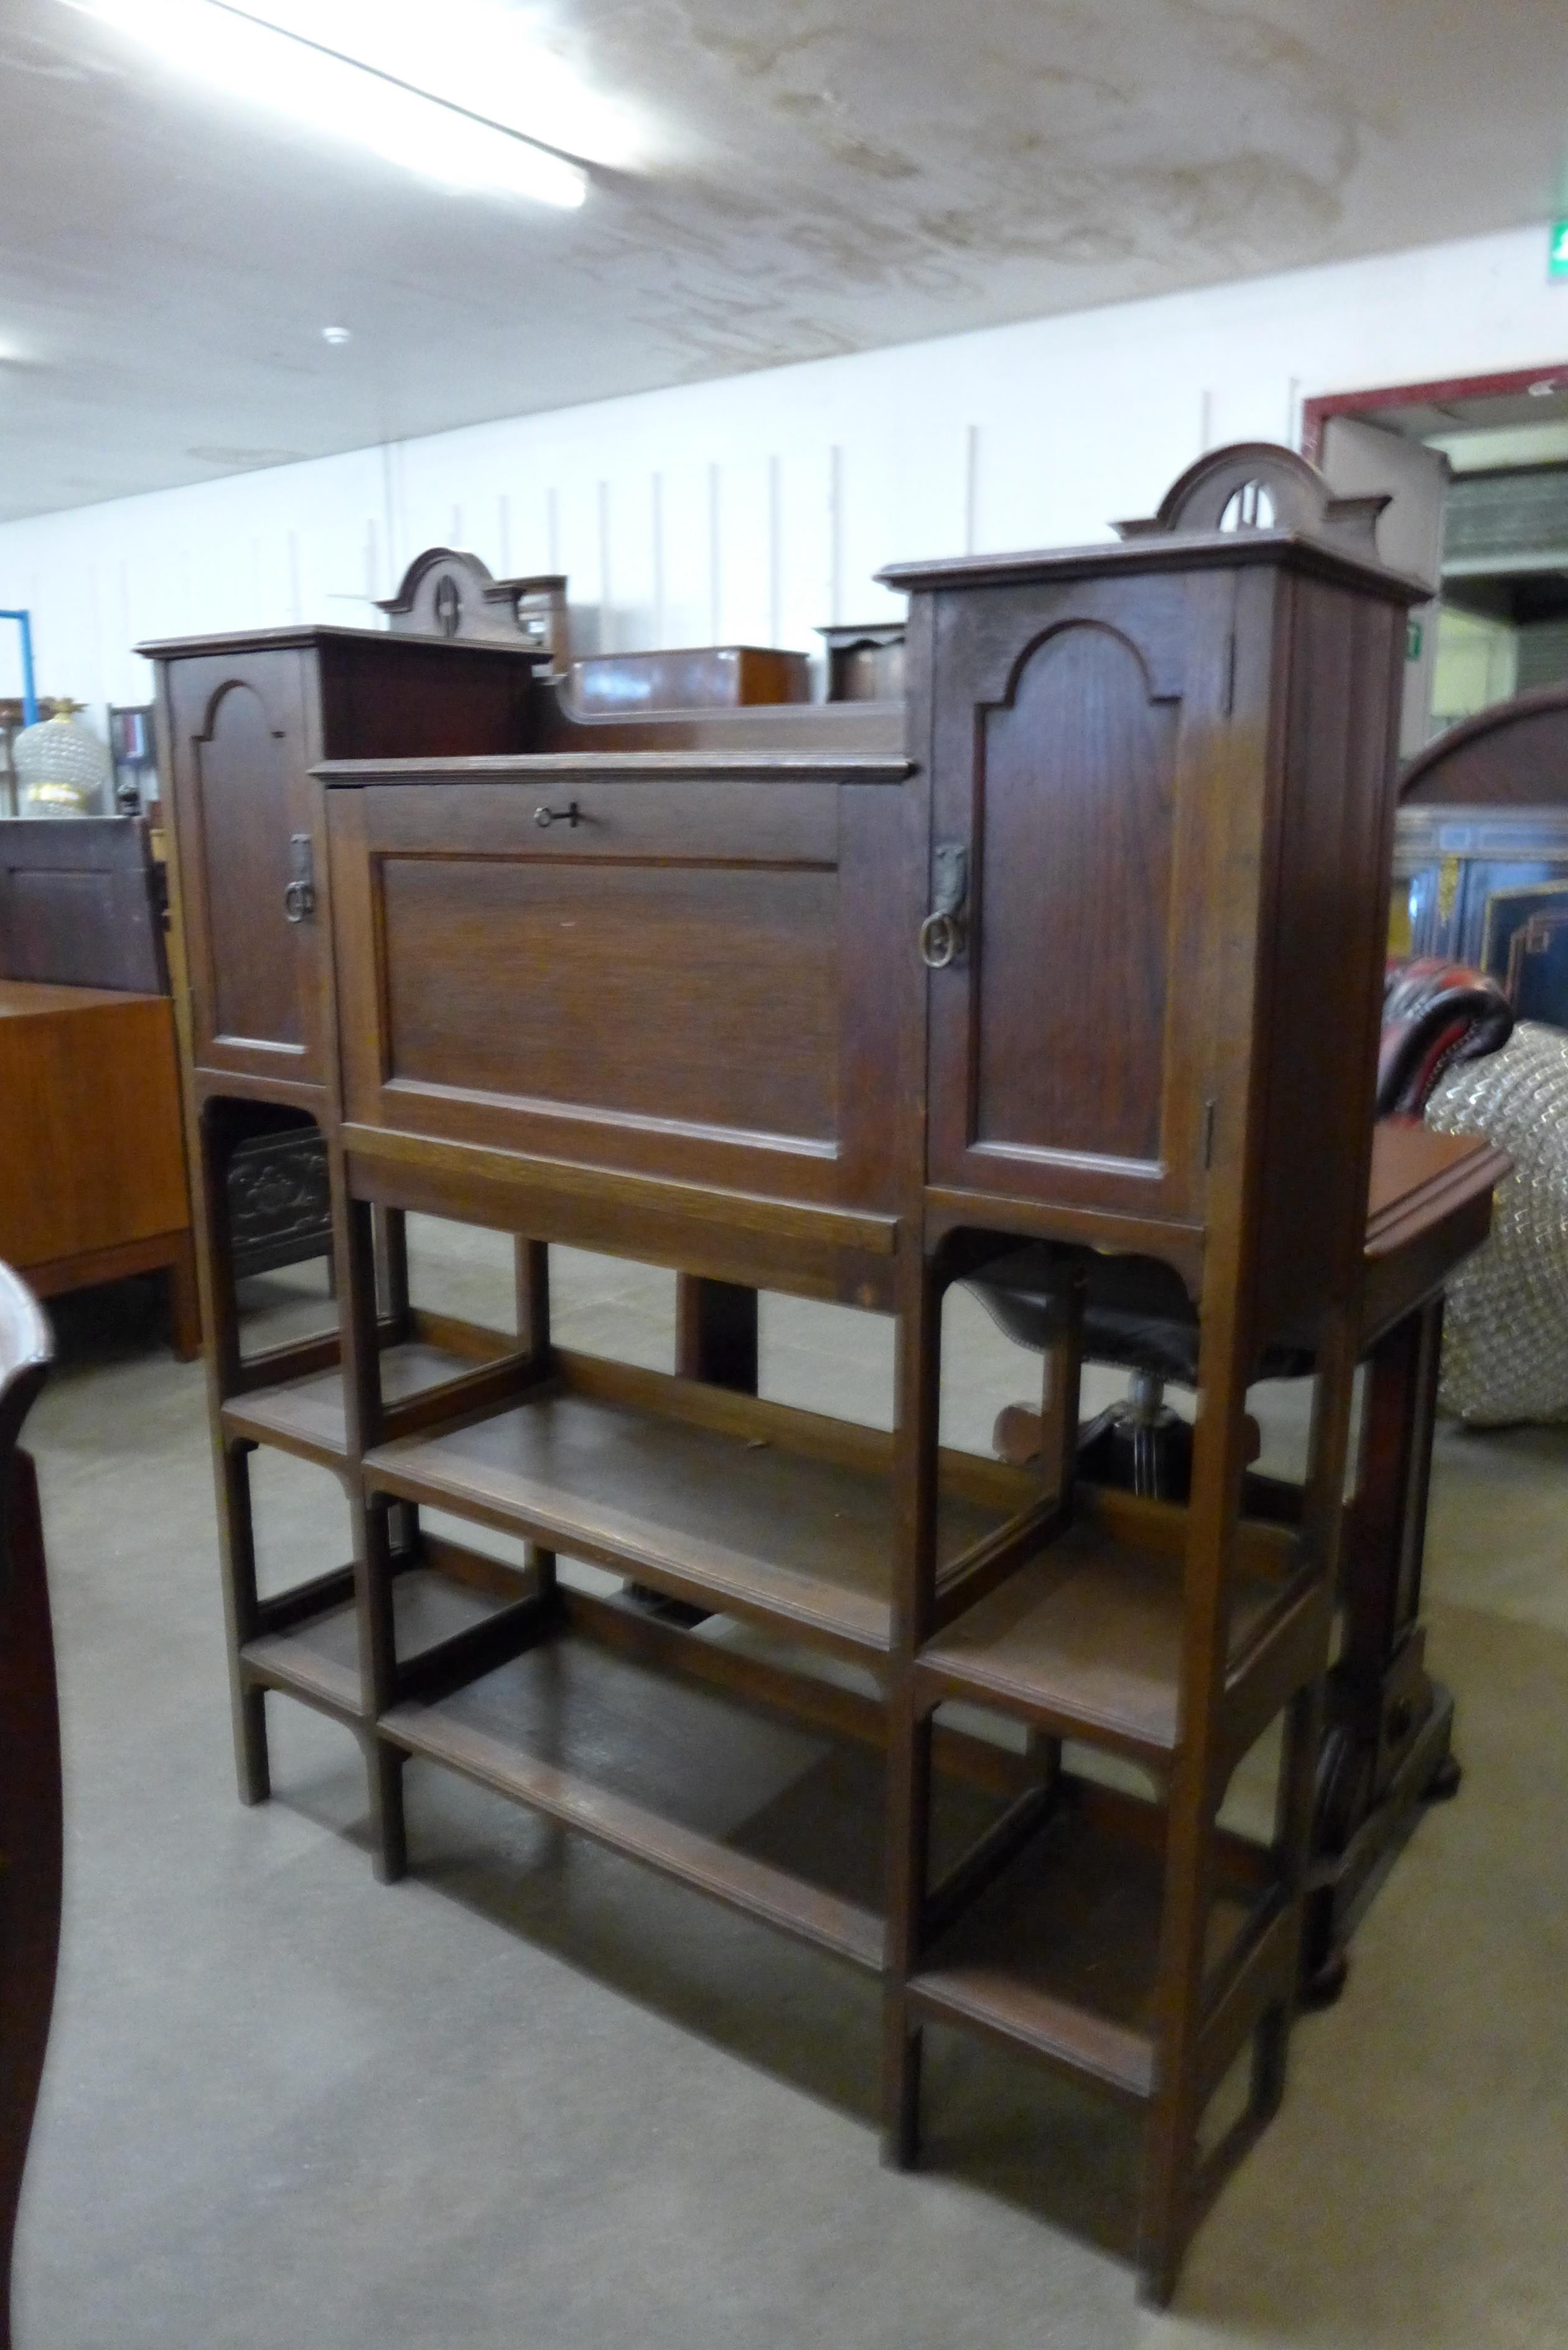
column 1141, row 1446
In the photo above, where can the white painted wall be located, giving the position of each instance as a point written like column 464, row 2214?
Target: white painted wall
column 752, row 508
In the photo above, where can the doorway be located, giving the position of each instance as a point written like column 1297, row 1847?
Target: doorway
column 1477, row 468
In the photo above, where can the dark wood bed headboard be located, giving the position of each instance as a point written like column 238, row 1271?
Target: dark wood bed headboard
column 1514, row 755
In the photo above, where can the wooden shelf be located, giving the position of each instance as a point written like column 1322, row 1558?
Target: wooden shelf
column 748, row 1508
column 316, row 1658
column 1086, row 1639
column 1058, row 1955
column 779, row 1815
column 420, row 1379
column 306, row 1416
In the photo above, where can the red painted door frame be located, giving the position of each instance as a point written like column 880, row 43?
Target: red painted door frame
column 1315, row 414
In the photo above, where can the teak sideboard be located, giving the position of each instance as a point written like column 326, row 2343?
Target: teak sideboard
column 92, row 1177
column 1080, row 943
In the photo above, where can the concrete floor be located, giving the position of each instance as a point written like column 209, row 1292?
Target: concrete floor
column 532, row 2097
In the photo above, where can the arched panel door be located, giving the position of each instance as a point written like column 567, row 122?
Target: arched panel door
column 1071, row 1031
column 243, row 803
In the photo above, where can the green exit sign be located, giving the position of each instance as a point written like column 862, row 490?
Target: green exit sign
column 1557, row 251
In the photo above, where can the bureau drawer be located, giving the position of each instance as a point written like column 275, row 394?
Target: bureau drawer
column 658, row 817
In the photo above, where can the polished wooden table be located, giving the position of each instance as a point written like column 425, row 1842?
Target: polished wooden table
column 1387, row 1747
column 1388, row 1726
column 92, row 1177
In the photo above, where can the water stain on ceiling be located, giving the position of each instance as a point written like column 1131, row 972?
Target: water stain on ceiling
column 819, row 177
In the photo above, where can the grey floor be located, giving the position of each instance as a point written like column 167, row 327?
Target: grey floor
column 532, row 2097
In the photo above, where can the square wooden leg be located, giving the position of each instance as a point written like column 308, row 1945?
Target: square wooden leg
column 242, row 1619
column 184, row 1304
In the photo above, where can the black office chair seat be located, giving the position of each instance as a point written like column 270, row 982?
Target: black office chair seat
column 1137, row 1312
column 1138, row 1316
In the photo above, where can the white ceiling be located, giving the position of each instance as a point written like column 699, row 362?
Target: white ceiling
column 821, row 176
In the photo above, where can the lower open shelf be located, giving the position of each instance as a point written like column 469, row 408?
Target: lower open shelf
column 1086, row 1639
column 441, row 1365
column 766, row 1789
column 743, row 1506
column 776, row 1809
column 314, row 1655
column 1058, row 1955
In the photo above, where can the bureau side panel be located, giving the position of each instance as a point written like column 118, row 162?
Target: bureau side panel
column 1324, row 934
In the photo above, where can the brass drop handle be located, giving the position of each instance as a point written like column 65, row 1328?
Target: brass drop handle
column 944, row 933
column 299, row 894
column 546, row 817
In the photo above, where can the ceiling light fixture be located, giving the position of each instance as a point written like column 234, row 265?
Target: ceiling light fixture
column 376, row 74
column 335, row 335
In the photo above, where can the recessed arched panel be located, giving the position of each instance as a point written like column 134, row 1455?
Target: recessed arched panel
column 246, row 763
column 1075, row 820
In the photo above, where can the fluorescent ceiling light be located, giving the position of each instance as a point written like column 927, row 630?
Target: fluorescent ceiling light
column 494, row 57
column 464, row 94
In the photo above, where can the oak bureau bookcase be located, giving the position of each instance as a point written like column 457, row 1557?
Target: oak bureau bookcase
column 1081, row 945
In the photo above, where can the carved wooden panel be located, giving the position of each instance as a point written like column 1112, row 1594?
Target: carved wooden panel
column 239, row 735
column 659, row 990
column 280, row 1201
column 244, row 766
column 1075, row 792
column 448, row 593
column 1073, row 771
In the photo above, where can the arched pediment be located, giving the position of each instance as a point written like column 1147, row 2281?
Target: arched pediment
column 1255, row 484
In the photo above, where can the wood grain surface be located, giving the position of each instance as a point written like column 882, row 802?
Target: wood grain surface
column 94, row 1159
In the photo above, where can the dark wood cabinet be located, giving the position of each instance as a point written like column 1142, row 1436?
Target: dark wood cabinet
column 1156, row 781
column 865, row 664
column 244, row 718
column 1162, row 779
column 697, row 677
